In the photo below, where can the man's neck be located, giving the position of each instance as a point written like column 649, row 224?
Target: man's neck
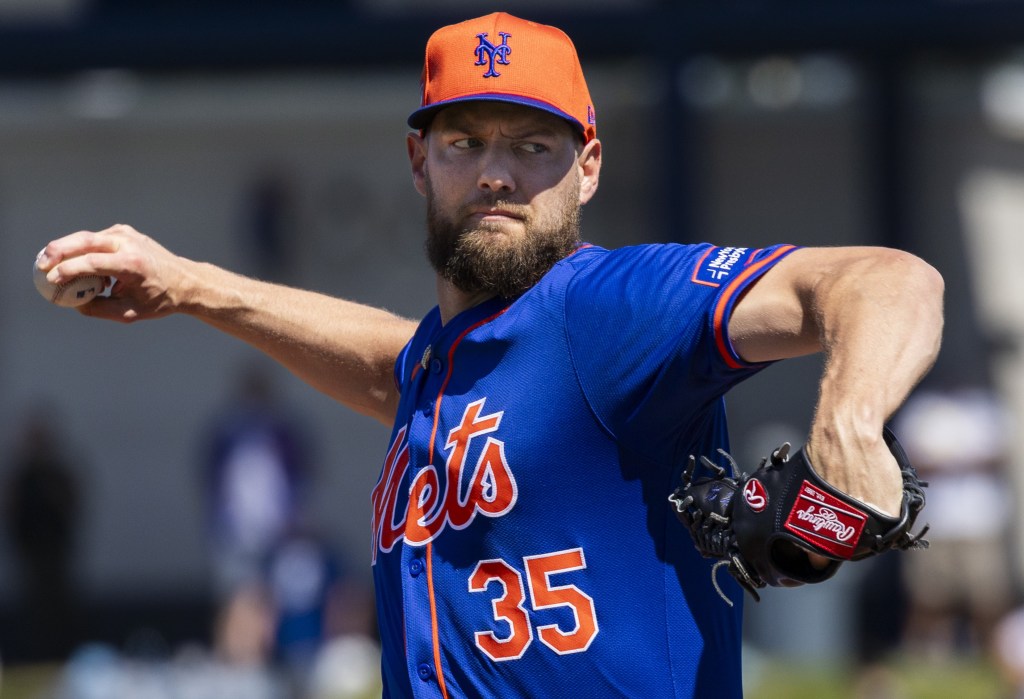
column 453, row 301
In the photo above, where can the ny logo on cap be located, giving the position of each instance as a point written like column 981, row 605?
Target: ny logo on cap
column 489, row 54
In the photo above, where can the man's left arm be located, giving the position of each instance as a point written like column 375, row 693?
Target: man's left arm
column 876, row 313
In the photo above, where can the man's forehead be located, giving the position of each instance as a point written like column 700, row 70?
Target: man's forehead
column 480, row 114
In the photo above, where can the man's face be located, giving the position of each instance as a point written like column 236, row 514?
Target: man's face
column 503, row 189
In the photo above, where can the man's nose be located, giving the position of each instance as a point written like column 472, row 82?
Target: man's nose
column 496, row 172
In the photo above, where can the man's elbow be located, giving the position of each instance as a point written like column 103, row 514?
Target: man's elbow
column 924, row 287
column 926, row 281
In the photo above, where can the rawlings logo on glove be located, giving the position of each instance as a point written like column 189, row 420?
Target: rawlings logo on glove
column 785, row 511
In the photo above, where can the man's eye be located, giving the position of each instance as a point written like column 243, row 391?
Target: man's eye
column 466, row 143
column 534, row 147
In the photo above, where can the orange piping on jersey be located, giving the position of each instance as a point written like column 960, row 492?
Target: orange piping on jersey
column 693, row 277
column 723, row 301
column 430, row 548
column 433, row 622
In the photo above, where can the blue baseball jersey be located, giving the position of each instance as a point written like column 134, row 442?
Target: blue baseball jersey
column 523, row 543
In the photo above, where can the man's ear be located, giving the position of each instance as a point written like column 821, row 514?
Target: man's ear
column 416, row 145
column 589, row 162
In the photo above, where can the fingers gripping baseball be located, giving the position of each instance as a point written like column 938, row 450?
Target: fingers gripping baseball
column 148, row 280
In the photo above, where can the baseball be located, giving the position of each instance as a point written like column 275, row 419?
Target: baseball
column 75, row 292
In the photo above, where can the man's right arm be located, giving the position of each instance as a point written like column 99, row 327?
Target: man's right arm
column 344, row 349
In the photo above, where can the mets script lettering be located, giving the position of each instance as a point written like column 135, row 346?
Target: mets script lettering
column 488, row 54
column 824, row 519
column 435, row 503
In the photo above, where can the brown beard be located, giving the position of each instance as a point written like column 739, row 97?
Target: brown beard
column 473, row 261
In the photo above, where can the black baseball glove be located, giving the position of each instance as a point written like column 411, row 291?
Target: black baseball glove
column 762, row 526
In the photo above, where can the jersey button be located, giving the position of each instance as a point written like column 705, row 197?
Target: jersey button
column 415, row 567
column 425, row 672
column 436, row 366
column 428, row 410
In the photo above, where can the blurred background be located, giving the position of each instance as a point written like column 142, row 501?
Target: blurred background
column 182, row 518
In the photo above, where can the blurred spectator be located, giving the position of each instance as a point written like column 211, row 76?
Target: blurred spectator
column 302, row 575
column 351, row 610
column 960, row 587
column 243, row 634
column 282, row 592
column 347, row 665
column 256, row 474
column 41, row 512
column 1008, row 649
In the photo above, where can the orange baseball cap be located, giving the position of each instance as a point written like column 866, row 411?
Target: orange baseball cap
column 506, row 59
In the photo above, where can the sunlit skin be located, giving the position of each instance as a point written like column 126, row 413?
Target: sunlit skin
column 505, row 177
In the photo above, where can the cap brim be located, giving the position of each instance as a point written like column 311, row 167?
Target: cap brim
column 421, row 118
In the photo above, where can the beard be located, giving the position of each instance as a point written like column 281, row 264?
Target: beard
column 485, row 258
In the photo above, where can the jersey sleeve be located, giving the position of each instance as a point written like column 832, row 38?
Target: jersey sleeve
column 648, row 333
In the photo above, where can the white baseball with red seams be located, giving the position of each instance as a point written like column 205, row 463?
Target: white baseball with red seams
column 74, row 292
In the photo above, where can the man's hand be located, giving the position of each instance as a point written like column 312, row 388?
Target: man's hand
column 150, row 281
column 863, row 467
column 783, row 525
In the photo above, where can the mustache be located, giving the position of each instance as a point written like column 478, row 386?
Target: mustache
column 495, row 202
